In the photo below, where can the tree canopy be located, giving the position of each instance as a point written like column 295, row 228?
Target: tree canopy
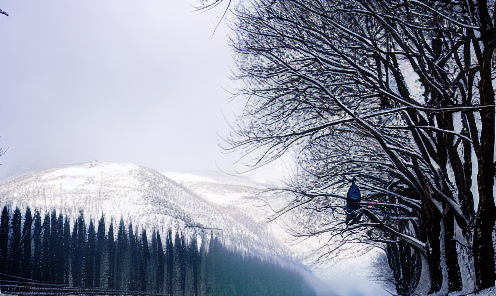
column 396, row 93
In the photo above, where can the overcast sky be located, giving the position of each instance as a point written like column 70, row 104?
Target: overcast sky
column 115, row 80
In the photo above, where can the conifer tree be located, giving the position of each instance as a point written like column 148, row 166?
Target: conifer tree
column 145, row 259
column 134, row 260
column 153, row 264
column 54, row 248
column 76, row 264
column 26, row 264
column 111, row 256
column 169, row 257
column 122, row 265
column 4, row 240
column 90, row 256
column 38, row 247
column 100, row 245
column 203, row 267
column 160, row 266
column 67, row 250
column 211, row 270
column 45, row 252
column 194, row 259
column 81, row 244
column 60, row 255
column 179, row 264
column 15, row 244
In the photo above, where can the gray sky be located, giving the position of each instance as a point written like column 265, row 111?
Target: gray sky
column 116, row 80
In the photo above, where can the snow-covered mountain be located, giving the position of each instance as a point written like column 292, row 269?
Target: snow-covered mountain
column 234, row 208
column 151, row 200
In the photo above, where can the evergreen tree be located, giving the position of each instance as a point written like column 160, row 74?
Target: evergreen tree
column 67, row 250
column 160, row 266
column 76, row 265
column 194, row 259
column 15, row 244
column 145, row 259
column 45, row 253
column 179, row 265
column 203, row 267
column 122, row 266
column 81, row 246
column 4, row 240
column 26, row 264
column 153, row 264
column 111, row 256
column 100, row 245
column 60, row 256
column 169, row 258
column 211, row 267
column 90, row 251
column 134, row 260
column 38, row 247
column 54, row 248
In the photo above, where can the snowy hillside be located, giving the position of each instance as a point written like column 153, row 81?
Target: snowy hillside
column 345, row 275
column 241, row 196
column 146, row 197
column 232, row 207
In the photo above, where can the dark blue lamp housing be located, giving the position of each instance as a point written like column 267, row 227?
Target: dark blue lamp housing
column 353, row 203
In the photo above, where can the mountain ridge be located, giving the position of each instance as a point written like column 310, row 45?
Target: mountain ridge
column 144, row 196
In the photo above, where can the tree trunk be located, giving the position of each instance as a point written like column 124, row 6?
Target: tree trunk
column 432, row 228
column 454, row 274
column 485, row 219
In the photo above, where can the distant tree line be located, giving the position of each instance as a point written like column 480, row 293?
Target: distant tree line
column 46, row 249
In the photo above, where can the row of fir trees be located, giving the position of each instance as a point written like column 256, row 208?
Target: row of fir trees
column 48, row 249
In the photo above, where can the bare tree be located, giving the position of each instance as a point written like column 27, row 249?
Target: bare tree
column 331, row 80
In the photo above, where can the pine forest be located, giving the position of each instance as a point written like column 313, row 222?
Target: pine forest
column 50, row 251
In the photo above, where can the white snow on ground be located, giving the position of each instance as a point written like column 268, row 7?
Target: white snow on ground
column 487, row 292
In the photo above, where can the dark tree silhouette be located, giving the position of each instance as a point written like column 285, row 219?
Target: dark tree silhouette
column 111, row 255
column 26, row 261
column 134, row 260
column 160, row 271
column 54, row 248
column 15, row 243
column 59, row 246
column 122, row 264
column 140, row 265
column 100, row 249
column 144, row 261
column 38, row 247
column 90, row 251
column 169, row 257
column 45, row 251
column 4, row 240
column 67, row 250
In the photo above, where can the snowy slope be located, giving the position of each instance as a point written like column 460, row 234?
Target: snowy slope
column 347, row 275
column 232, row 207
column 146, row 197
